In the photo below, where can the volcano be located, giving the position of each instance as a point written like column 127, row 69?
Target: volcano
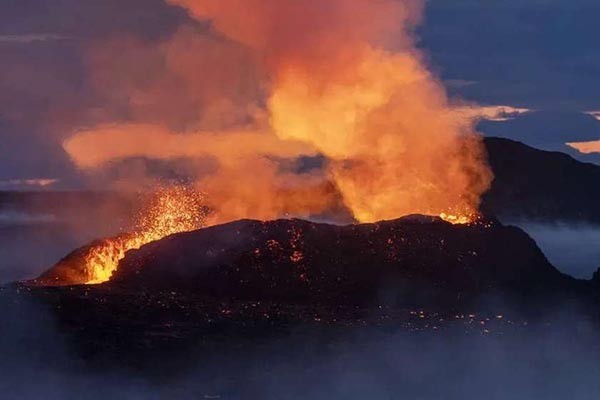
column 252, row 279
column 411, row 258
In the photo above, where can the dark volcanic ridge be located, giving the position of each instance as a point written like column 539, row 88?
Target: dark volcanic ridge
column 533, row 184
column 412, row 259
column 248, row 280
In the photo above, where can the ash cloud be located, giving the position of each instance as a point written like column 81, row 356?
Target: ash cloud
column 284, row 79
column 57, row 98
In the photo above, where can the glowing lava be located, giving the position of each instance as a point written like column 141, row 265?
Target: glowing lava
column 459, row 219
column 171, row 210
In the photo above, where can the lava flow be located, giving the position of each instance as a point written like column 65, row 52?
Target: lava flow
column 460, row 219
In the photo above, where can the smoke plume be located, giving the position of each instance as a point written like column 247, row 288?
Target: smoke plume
column 257, row 83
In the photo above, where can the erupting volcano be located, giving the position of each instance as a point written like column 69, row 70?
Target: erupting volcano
column 299, row 199
column 300, row 109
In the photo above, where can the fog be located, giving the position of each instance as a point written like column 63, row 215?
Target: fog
column 38, row 229
column 555, row 361
column 28, row 249
column 572, row 248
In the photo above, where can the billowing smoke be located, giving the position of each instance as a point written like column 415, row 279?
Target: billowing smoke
column 257, row 84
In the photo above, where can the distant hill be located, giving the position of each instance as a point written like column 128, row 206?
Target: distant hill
column 540, row 185
column 251, row 277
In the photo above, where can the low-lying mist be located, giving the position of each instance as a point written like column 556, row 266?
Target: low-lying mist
column 550, row 361
column 38, row 229
column 573, row 248
column 555, row 361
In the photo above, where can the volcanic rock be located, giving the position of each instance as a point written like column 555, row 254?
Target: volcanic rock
column 414, row 258
column 247, row 280
column 540, row 185
column 596, row 278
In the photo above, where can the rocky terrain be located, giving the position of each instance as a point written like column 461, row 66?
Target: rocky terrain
column 252, row 279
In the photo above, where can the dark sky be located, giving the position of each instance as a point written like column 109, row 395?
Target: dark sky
column 537, row 54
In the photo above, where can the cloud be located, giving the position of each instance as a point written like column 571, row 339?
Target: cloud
column 595, row 114
column 33, row 182
column 586, row 147
column 32, row 37
column 458, row 83
column 492, row 113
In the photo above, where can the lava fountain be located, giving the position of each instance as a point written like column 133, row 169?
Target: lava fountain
column 168, row 211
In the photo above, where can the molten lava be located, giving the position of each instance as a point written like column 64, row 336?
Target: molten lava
column 171, row 210
column 460, row 219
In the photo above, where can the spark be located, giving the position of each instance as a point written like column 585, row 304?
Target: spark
column 171, row 210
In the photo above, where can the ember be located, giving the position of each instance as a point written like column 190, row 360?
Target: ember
column 172, row 210
column 459, row 219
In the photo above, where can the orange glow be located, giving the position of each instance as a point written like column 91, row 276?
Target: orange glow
column 277, row 80
column 586, row 147
column 172, row 210
column 93, row 148
column 493, row 113
column 595, row 114
column 459, row 219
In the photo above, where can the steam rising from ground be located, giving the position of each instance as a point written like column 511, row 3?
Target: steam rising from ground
column 272, row 81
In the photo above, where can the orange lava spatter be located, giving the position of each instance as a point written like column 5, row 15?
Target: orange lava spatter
column 171, row 210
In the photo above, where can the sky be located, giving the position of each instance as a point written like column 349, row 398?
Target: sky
column 539, row 55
